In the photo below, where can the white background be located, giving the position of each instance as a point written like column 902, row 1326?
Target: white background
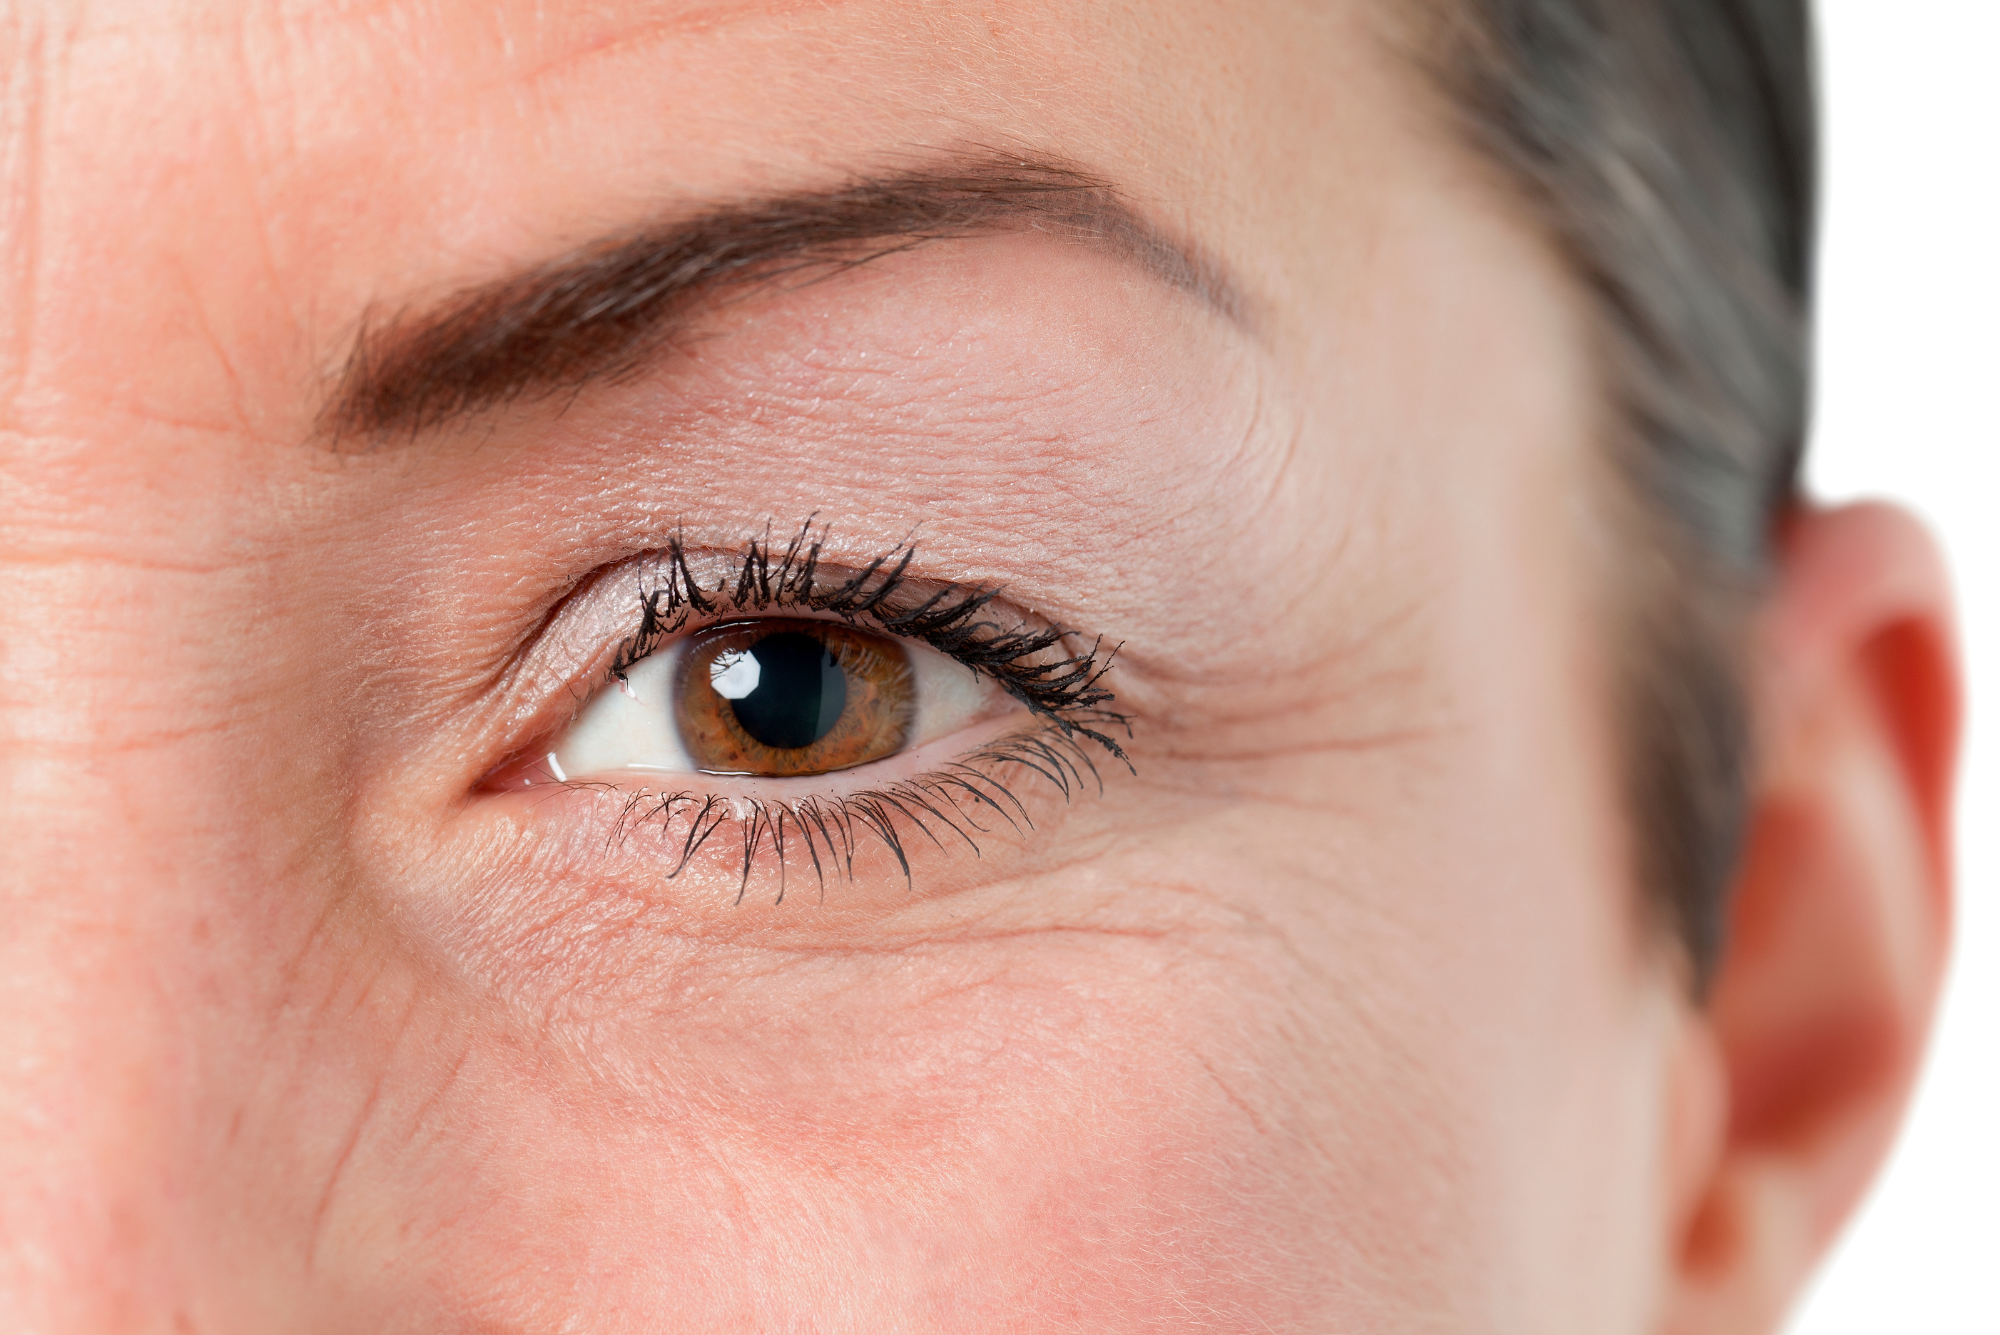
column 1909, row 376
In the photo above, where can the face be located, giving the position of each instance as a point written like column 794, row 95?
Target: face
column 1320, row 1000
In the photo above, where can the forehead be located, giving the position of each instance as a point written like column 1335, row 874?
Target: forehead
column 229, row 187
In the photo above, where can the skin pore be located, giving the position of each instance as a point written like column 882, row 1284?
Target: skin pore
column 1337, row 1011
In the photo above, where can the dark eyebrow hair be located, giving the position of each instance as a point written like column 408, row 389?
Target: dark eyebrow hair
column 605, row 310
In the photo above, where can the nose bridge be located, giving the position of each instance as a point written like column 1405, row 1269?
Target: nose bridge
column 169, row 806
column 152, row 888
column 157, row 714
column 98, row 884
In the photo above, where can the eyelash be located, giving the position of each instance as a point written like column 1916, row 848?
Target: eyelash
column 1064, row 694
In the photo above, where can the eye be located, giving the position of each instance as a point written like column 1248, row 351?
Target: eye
column 772, row 697
column 777, row 665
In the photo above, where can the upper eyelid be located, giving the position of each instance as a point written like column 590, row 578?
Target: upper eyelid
column 1056, row 672
column 1033, row 663
column 774, row 589
column 800, row 578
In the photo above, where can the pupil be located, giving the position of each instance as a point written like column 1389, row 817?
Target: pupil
column 799, row 692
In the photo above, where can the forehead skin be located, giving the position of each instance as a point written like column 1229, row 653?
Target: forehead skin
column 1329, row 1017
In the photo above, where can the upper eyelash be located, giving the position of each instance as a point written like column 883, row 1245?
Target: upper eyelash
column 1065, row 691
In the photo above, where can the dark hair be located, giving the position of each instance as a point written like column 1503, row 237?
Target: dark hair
column 1669, row 146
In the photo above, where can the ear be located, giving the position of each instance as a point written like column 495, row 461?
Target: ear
column 1841, row 918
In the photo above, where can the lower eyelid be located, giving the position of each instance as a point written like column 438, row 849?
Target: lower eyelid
column 1003, row 778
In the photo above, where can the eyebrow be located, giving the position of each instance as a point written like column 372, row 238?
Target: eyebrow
column 607, row 310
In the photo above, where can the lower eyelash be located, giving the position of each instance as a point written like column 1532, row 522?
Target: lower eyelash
column 950, row 800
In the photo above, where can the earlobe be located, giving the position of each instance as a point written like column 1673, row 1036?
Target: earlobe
column 1841, row 916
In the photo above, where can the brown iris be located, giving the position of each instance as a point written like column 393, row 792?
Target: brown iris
column 785, row 697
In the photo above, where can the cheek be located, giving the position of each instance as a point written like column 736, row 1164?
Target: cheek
column 1099, row 1131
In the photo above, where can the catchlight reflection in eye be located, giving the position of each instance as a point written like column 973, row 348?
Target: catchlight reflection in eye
column 772, row 698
